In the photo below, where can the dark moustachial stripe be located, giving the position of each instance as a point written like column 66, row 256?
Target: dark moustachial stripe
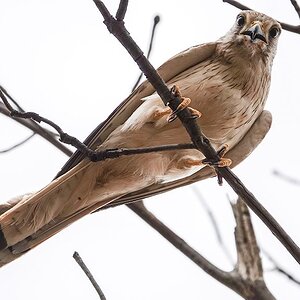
column 3, row 243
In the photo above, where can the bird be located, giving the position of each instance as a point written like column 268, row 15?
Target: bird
column 224, row 83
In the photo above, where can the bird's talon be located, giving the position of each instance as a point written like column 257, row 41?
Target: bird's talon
column 195, row 113
column 172, row 117
column 221, row 163
column 224, row 162
column 223, row 150
column 185, row 102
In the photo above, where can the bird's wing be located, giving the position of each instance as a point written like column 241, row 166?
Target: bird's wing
column 171, row 68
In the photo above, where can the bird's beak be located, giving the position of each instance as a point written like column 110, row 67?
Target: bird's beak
column 255, row 32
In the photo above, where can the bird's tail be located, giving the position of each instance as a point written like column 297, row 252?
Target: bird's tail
column 80, row 191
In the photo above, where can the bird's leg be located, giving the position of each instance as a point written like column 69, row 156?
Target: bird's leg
column 188, row 162
column 159, row 113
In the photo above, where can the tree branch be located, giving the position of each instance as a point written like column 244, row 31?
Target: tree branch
column 285, row 26
column 296, row 6
column 156, row 21
column 249, row 266
column 248, row 289
column 179, row 243
column 89, row 275
column 43, row 132
column 17, row 144
column 118, row 29
column 91, row 154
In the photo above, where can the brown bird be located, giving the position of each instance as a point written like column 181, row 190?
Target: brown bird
column 228, row 82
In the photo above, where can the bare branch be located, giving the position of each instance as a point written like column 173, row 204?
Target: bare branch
column 201, row 143
column 91, row 154
column 286, row 177
column 179, row 243
column 296, row 6
column 285, row 26
column 43, row 132
column 249, row 262
column 122, row 10
column 156, row 21
column 278, row 268
column 213, row 222
column 246, row 288
column 88, row 273
column 18, row 144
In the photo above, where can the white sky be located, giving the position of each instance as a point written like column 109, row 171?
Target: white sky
column 57, row 59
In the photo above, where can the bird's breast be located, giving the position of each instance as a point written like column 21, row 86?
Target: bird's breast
column 229, row 96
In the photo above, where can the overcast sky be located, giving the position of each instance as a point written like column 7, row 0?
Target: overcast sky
column 57, row 59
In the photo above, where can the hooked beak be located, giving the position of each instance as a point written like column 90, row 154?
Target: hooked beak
column 255, row 32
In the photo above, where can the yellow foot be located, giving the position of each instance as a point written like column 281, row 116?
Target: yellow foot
column 159, row 113
column 186, row 163
column 184, row 104
column 222, row 162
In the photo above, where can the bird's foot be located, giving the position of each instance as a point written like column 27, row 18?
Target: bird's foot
column 159, row 113
column 222, row 162
column 186, row 163
column 184, row 104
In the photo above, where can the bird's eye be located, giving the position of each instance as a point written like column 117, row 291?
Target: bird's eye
column 274, row 32
column 240, row 20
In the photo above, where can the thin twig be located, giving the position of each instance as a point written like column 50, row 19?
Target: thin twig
column 286, row 177
column 214, row 223
column 88, row 273
column 43, row 132
column 201, row 143
column 285, row 26
column 156, row 21
column 296, row 6
column 91, row 154
column 18, row 144
column 11, row 98
column 278, row 268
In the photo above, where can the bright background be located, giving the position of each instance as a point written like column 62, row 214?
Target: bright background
column 57, row 59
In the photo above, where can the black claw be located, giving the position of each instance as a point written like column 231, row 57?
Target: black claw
column 220, row 178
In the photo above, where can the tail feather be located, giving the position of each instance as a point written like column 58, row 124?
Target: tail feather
column 38, row 209
column 9, row 254
column 61, row 203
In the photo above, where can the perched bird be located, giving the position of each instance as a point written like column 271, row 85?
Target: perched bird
column 228, row 82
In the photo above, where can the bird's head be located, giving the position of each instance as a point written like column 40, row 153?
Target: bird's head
column 255, row 34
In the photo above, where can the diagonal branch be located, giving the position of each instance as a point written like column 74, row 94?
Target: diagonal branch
column 296, row 6
column 93, row 155
column 43, row 132
column 246, row 287
column 285, row 26
column 201, row 143
column 179, row 243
